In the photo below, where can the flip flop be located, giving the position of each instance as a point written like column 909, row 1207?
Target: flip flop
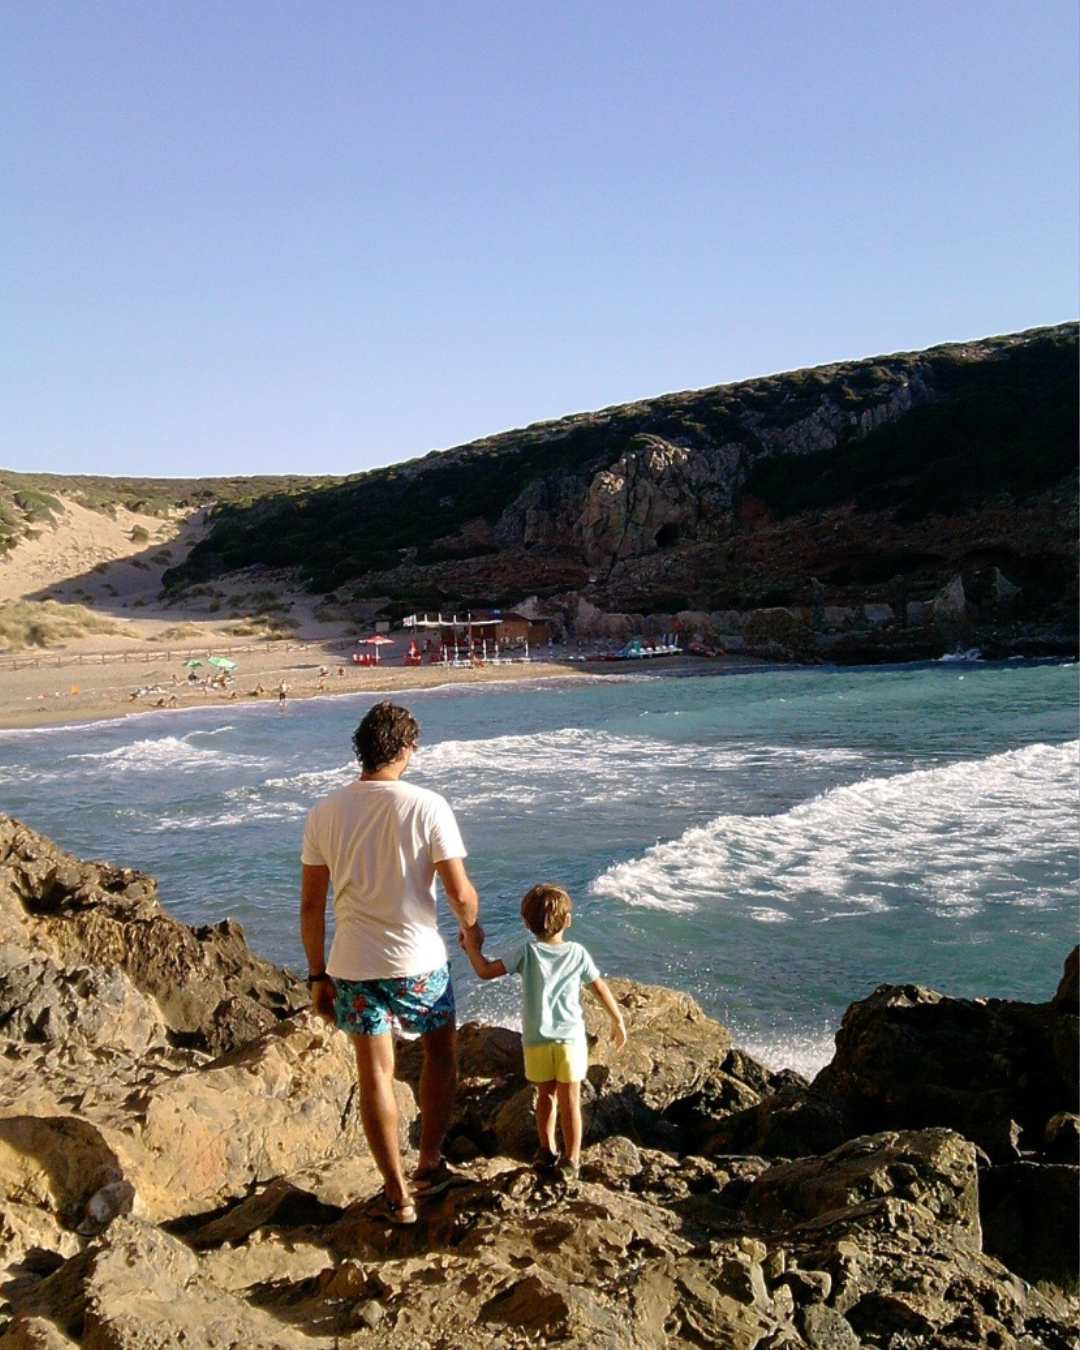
column 403, row 1213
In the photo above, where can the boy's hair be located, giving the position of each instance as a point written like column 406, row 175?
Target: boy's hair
column 546, row 910
column 383, row 734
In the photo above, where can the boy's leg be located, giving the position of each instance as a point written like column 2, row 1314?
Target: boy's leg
column 569, row 1097
column 438, row 1086
column 545, row 1115
column 378, row 1109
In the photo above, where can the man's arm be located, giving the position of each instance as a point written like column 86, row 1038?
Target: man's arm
column 460, row 892
column 314, row 884
column 470, row 940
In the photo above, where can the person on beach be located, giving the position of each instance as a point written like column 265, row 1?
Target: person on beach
column 380, row 842
column 552, row 972
column 282, row 692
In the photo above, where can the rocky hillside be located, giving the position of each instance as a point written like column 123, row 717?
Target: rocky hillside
column 865, row 479
column 181, row 1164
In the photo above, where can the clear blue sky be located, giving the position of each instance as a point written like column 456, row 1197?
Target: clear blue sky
column 267, row 237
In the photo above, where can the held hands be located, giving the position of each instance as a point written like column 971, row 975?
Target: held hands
column 471, row 939
column 322, row 1000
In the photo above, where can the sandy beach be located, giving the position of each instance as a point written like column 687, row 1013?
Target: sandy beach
column 57, row 693
column 61, row 687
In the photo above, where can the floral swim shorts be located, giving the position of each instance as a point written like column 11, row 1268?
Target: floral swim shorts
column 415, row 1003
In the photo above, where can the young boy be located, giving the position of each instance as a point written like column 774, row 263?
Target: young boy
column 553, row 1029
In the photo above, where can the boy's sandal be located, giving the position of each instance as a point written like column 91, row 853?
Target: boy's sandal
column 400, row 1212
column 544, row 1160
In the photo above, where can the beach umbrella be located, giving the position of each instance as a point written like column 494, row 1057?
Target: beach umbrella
column 377, row 641
column 222, row 663
column 192, row 663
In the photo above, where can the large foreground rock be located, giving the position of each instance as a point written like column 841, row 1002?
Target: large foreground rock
column 205, row 981
column 159, row 1191
column 995, row 1070
column 874, row 1245
column 922, row 1183
column 184, row 1137
column 1029, row 1218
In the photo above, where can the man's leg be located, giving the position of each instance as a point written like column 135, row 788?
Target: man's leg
column 438, row 1087
column 379, row 1111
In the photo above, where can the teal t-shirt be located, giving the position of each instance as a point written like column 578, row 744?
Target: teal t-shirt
column 552, row 974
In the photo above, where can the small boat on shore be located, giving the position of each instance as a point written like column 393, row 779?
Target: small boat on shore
column 638, row 650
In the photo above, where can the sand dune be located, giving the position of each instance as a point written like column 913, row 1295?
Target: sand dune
column 114, row 566
column 86, row 552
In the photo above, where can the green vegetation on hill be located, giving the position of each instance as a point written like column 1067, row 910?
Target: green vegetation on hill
column 1001, row 426
column 338, row 532
column 31, row 499
column 993, row 416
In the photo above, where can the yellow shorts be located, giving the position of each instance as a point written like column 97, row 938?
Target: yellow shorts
column 556, row 1061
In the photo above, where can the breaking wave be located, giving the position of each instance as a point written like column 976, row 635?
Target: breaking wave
column 589, row 767
column 953, row 838
column 176, row 753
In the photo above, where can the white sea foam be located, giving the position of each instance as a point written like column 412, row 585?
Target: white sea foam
column 61, row 728
column 953, row 838
column 592, row 767
column 569, row 768
column 805, row 1052
column 763, row 914
column 225, row 819
column 313, row 782
column 282, row 798
column 173, row 753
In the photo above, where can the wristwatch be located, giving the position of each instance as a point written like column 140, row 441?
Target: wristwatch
column 316, row 979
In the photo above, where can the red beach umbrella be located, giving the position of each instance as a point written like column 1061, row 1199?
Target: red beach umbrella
column 376, row 641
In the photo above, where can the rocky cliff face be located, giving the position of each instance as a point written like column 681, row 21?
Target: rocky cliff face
column 191, row 1171
column 895, row 472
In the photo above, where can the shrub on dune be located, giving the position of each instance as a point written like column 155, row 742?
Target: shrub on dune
column 47, row 623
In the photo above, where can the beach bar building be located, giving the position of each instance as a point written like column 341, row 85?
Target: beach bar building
column 483, row 634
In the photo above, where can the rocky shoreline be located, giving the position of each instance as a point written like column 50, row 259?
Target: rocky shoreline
column 182, row 1164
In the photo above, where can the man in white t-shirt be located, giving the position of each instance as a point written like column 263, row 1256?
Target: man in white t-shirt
column 379, row 842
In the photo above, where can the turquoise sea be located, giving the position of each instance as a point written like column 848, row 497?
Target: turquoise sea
column 776, row 843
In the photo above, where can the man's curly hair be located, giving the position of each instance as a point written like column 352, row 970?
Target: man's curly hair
column 383, row 734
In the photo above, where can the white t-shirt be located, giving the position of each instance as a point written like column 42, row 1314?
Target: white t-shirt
column 381, row 841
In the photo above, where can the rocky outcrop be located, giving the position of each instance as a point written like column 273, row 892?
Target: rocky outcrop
column 995, row 1070
column 834, row 488
column 874, row 1245
column 153, row 1194
column 204, row 981
column 657, row 495
column 778, row 633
